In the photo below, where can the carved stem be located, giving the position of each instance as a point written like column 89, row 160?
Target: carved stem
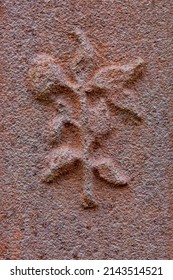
column 86, row 141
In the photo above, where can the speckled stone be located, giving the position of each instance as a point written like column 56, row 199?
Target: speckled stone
column 85, row 143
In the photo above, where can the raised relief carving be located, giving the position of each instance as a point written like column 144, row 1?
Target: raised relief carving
column 82, row 105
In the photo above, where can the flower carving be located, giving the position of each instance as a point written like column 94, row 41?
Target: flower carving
column 92, row 88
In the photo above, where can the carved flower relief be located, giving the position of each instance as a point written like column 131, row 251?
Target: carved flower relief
column 110, row 84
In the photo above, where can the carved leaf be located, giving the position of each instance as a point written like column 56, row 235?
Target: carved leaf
column 61, row 161
column 110, row 172
column 47, row 77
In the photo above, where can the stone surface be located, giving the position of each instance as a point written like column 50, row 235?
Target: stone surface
column 86, row 130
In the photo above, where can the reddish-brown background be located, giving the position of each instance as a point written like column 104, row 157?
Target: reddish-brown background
column 39, row 221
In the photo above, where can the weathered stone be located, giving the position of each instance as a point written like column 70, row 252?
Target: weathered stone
column 85, row 133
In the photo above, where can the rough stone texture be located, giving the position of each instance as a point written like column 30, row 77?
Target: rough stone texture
column 62, row 155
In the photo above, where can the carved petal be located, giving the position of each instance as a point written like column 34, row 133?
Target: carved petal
column 111, row 172
column 126, row 100
column 84, row 63
column 115, row 77
column 61, row 161
column 133, row 70
column 47, row 77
